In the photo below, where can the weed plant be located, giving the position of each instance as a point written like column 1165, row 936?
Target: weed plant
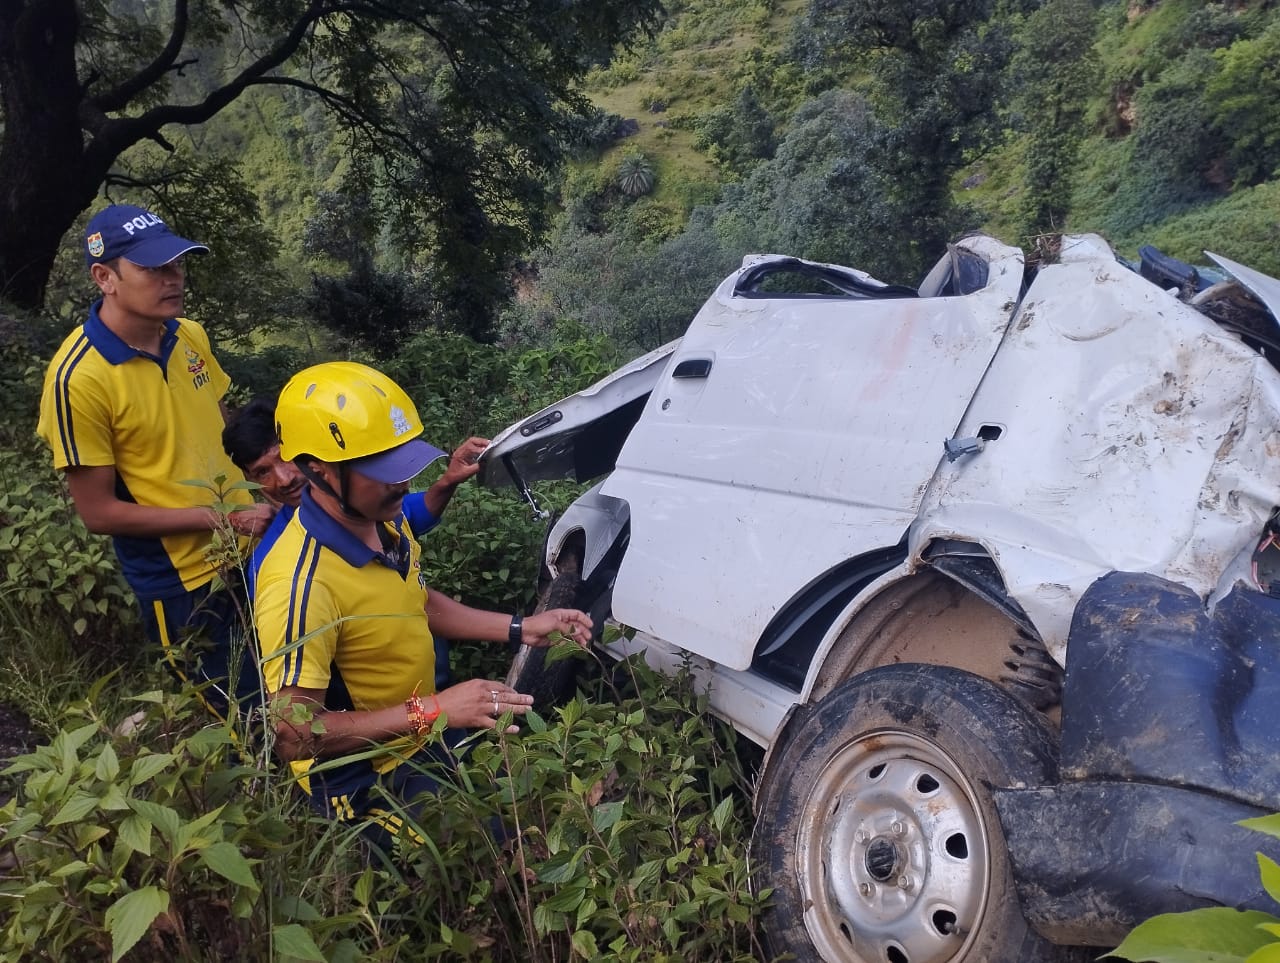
column 162, row 839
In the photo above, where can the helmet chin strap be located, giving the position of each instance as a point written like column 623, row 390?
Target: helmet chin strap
column 344, row 474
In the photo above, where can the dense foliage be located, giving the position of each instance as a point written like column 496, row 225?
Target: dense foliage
column 138, row 832
column 157, row 840
column 459, row 110
column 384, row 182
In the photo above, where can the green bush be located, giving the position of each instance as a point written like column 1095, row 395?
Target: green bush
column 55, row 572
column 55, row 577
column 155, row 841
column 142, row 836
column 1244, row 101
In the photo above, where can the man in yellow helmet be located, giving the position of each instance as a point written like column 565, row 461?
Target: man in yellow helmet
column 344, row 616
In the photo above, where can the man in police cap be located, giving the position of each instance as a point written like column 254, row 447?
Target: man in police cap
column 132, row 409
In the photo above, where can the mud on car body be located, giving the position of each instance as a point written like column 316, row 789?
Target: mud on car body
column 972, row 562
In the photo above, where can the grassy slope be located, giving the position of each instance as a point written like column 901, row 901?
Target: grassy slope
column 701, row 57
column 694, row 65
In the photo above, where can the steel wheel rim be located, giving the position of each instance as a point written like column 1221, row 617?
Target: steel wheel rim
column 892, row 854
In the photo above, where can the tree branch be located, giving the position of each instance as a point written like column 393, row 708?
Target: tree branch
column 117, row 134
column 119, row 98
column 349, row 111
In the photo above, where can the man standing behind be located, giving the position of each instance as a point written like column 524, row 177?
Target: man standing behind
column 132, row 409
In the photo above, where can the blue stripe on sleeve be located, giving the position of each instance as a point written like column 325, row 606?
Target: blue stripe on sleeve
column 62, row 395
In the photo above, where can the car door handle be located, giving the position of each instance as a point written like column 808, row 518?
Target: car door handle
column 693, row 368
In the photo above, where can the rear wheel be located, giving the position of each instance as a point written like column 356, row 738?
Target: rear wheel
column 554, row 684
column 877, row 831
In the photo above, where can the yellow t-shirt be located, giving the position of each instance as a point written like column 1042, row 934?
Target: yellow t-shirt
column 158, row 423
column 327, row 605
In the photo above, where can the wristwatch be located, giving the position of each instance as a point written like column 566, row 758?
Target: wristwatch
column 515, row 634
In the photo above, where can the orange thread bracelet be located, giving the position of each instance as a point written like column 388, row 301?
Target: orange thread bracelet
column 420, row 717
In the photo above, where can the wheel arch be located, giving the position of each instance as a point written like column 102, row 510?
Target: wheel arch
column 949, row 608
column 591, row 530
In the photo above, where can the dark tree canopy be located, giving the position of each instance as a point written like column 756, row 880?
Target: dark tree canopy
column 467, row 106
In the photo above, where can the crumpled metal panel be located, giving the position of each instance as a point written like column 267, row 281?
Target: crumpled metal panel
column 1134, row 435
column 810, row 441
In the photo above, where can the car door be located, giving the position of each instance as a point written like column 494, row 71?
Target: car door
column 578, row 437
column 787, row 434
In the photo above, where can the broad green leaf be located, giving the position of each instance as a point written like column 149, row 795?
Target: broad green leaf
column 297, row 908
column 162, row 818
column 108, row 766
column 1214, row 935
column 1268, row 954
column 546, row 920
column 113, row 799
column 584, row 944
column 129, row 918
column 75, row 809
column 135, row 832
column 190, row 835
column 146, row 767
column 605, row 815
column 70, row 869
column 1270, row 874
column 22, row 825
column 87, row 835
column 566, row 900
column 67, row 743
column 720, row 817
column 292, row 940
column 561, row 869
column 227, row 861
column 364, row 887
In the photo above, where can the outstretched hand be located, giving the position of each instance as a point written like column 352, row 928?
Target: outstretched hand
column 480, row 703
column 251, row 520
column 465, row 461
column 574, row 625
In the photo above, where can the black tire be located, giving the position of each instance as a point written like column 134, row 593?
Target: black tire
column 876, row 829
column 550, row 685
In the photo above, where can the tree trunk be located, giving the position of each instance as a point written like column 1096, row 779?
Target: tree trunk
column 44, row 183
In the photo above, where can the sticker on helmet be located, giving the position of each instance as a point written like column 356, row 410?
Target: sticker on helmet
column 400, row 421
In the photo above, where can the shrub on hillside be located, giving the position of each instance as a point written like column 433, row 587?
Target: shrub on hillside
column 159, row 843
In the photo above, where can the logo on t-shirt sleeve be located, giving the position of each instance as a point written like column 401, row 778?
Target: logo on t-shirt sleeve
column 195, row 364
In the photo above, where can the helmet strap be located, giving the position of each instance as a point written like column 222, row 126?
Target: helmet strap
column 344, row 474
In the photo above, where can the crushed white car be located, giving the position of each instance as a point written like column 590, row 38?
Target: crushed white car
column 902, row 532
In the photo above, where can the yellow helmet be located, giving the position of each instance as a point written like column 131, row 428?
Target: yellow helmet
column 341, row 411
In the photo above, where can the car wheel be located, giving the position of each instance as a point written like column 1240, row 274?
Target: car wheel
column 876, row 829
column 555, row 684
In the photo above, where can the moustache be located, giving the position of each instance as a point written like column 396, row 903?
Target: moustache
column 395, row 496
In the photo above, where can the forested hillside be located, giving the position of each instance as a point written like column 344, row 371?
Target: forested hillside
column 869, row 134
column 859, row 133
